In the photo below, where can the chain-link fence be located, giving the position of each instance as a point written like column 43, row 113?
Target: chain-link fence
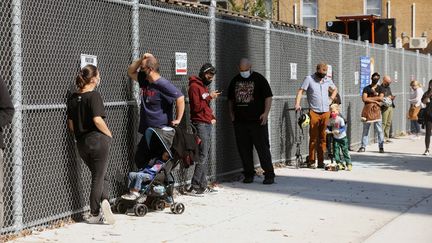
column 40, row 44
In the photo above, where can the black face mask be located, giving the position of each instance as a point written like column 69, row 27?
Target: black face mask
column 206, row 82
column 320, row 75
column 375, row 80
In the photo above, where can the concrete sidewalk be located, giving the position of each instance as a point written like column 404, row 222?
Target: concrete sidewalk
column 386, row 198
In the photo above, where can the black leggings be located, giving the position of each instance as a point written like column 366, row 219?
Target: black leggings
column 428, row 133
column 93, row 149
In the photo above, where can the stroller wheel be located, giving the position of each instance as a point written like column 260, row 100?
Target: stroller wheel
column 140, row 210
column 177, row 208
column 121, row 207
column 158, row 205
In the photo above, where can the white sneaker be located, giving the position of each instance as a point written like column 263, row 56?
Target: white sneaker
column 95, row 219
column 130, row 196
column 106, row 211
column 426, row 152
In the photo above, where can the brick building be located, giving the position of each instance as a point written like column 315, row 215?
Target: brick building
column 408, row 13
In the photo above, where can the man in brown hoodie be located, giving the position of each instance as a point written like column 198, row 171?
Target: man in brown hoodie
column 203, row 119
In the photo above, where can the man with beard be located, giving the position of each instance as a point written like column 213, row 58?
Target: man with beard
column 202, row 117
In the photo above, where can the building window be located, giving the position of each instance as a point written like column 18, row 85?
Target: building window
column 373, row 7
column 309, row 13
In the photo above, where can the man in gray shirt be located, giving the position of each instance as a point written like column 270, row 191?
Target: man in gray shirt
column 317, row 87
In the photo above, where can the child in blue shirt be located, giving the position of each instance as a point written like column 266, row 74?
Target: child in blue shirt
column 145, row 174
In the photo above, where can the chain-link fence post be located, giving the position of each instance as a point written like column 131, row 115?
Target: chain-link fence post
column 386, row 61
column 429, row 66
column 404, row 125
column 367, row 48
column 267, row 53
column 212, row 56
column 17, row 154
column 417, row 75
column 340, row 73
column 135, row 44
column 309, row 51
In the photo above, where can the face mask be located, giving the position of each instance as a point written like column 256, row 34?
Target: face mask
column 245, row 74
column 206, row 82
column 375, row 80
column 333, row 115
column 98, row 83
column 320, row 75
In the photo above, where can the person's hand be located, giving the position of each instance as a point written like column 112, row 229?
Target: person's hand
column 392, row 97
column 147, row 55
column 263, row 118
column 213, row 121
column 215, row 94
column 175, row 123
column 297, row 107
column 335, row 132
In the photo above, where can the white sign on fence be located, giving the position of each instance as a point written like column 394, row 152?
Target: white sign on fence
column 356, row 78
column 329, row 71
column 293, row 68
column 88, row 59
column 181, row 63
column 396, row 76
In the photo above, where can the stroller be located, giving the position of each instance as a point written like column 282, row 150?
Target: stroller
column 158, row 192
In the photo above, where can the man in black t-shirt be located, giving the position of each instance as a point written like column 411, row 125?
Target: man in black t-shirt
column 250, row 99
column 373, row 94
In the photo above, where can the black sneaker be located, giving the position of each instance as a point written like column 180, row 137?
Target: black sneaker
column 268, row 181
column 321, row 165
column 195, row 192
column 381, row 150
column 361, row 150
column 248, row 180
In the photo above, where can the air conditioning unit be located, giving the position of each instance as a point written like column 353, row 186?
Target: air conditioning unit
column 418, row 43
column 398, row 43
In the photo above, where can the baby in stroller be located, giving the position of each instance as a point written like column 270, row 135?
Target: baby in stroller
column 136, row 179
column 152, row 186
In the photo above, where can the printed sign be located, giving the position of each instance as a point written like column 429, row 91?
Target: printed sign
column 329, row 71
column 293, row 68
column 395, row 76
column 365, row 72
column 356, row 78
column 181, row 63
column 88, row 59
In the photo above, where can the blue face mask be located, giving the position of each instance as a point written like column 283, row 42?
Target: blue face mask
column 245, row 74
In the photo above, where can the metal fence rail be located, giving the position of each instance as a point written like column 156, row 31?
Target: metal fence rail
column 40, row 44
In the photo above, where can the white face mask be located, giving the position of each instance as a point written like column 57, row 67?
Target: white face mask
column 245, row 74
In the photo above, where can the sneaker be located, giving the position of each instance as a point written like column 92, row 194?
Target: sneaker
column 311, row 165
column 196, row 192
column 426, row 152
column 95, row 219
column 210, row 190
column 106, row 211
column 341, row 166
column 381, row 150
column 349, row 167
column 268, row 181
column 361, row 150
column 130, row 196
column 321, row 165
column 248, row 180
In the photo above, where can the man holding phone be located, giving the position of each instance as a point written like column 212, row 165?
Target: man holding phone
column 203, row 119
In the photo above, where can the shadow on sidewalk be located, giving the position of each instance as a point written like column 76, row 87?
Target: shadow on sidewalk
column 388, row 197
column 400, row 161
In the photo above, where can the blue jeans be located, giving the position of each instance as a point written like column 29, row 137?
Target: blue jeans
column 137, row 178
column 415, row 127
column 199, row 179
column 378, row 128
